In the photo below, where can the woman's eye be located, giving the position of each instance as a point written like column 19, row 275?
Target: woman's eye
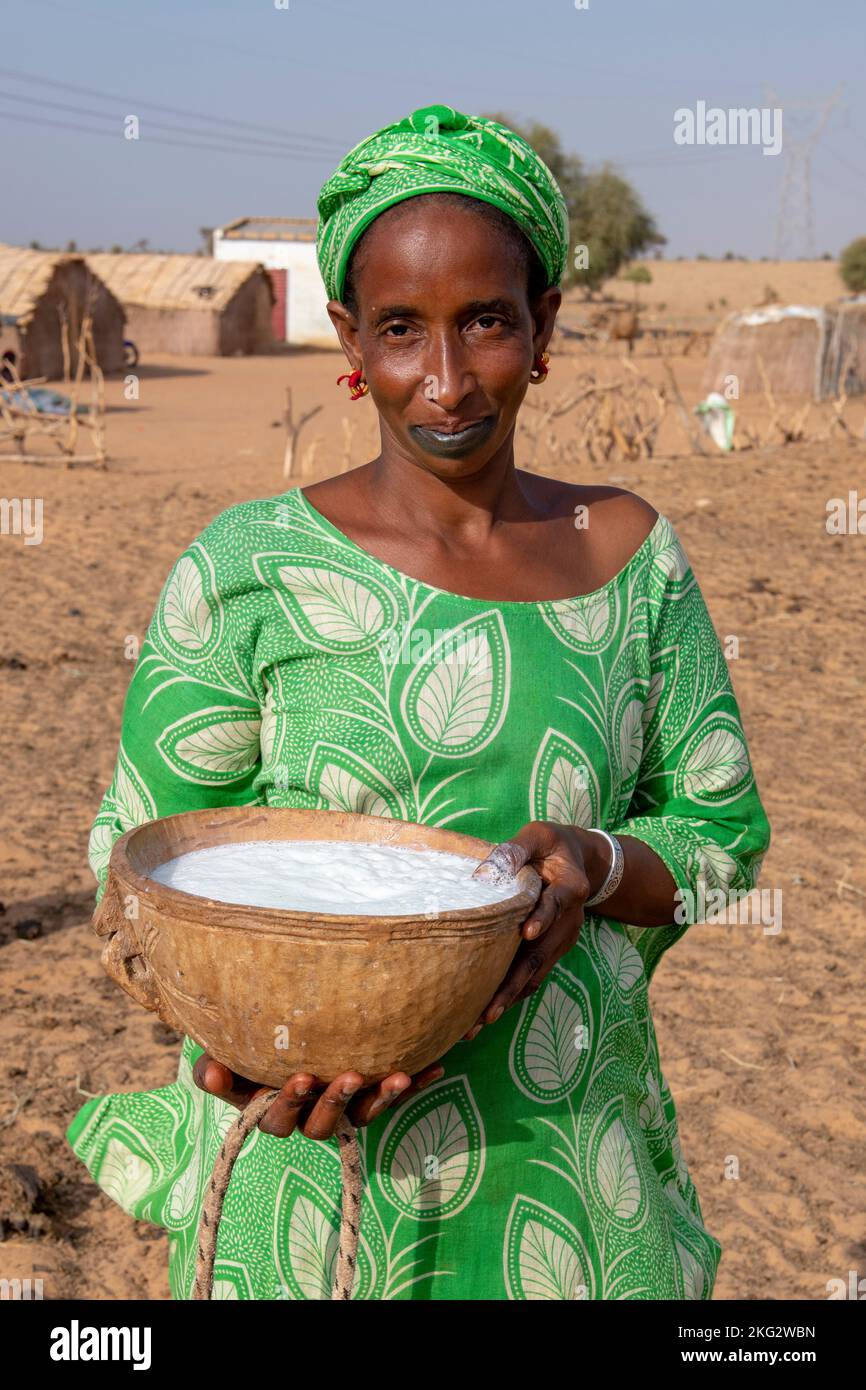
column 488, row 321
column 400, row 329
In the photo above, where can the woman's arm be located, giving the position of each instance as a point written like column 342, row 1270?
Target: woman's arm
column 645, row 895
column 695, row 822
column 192, row 713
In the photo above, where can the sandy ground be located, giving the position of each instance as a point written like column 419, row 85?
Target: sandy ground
column 761, row 1036
column 704, row 289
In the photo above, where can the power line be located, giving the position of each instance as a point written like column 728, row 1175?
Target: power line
column 17, row 76
column 846, row 163
column 648, row 159
column 656, row 161
column 837, row 187
column 253, row 142
column 151, row 139
column 249, row 145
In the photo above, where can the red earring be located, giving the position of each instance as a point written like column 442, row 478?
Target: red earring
column 357, row 385
column 540, row 368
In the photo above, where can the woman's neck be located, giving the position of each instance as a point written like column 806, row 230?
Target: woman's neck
column 412, row 500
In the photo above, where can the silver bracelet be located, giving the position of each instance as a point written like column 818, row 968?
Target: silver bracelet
column 614, row 876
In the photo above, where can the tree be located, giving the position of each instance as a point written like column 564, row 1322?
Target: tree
column 637, row 275
column 606, row 214
column 612, row 223
column 852, row 265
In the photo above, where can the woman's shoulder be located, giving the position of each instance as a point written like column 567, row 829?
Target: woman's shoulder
column 254, row 509
column 624, row 518
column 233, row 553
column 246, row 526
column 610, row 505
column 615, row 523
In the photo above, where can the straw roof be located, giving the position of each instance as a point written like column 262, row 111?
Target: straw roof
column 24, row 278
column 153, row 281
column 783, row 344
column 270, row 229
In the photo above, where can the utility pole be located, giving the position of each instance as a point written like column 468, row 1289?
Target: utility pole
column 804, row 122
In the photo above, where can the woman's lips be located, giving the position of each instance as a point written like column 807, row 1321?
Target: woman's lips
column 451, row 442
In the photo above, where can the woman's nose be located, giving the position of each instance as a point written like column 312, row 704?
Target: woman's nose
column 449, row 378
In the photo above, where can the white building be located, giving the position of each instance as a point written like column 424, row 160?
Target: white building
column 286, row 246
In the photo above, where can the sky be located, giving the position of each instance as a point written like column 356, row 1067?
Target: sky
column 246, row 106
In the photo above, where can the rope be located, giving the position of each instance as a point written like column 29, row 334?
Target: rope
column 212, row 1209
column 350, row 1223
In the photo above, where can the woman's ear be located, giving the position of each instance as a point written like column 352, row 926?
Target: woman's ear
column 346, row 328
column 544, row 312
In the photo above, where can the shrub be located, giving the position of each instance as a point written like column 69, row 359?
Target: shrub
column 852, row 265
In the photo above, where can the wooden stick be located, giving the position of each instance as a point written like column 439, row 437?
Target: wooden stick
column 64, row 342
column 80, row 364
column 52, row 458
column 309, row 456
column 682, row 409
column 293, row 432
column 95, row 420
column 19, row 385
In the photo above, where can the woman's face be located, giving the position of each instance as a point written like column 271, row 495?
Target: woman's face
column 445, row 333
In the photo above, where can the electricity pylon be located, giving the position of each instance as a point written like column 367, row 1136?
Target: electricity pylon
column 803, row 124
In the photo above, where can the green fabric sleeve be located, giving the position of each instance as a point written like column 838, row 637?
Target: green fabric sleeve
column 192, row 712
column 695, row 802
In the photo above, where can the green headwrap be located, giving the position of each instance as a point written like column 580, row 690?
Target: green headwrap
column 439, row 150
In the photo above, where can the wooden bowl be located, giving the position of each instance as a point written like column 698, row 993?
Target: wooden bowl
column 270, row 992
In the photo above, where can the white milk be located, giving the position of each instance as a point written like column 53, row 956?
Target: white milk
column 332, row 876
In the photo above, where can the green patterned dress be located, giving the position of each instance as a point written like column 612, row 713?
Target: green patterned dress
column 286, row 666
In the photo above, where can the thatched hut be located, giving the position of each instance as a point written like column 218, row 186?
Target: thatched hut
column 805, row 350
column 788, row 340
column 39, row 291
column 191, row 305
column 844, row 365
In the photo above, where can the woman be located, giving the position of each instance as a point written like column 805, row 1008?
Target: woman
column 441, row 637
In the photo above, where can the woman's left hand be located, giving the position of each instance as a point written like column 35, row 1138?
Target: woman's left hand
column 570, row 863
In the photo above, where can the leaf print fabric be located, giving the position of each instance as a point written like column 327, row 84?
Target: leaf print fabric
column 455, row 702
column 285, row 666
column 189, row 614
column 432, row 1152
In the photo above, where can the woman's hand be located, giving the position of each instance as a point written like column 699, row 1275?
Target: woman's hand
column 307, row 1104
column 572, row 867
